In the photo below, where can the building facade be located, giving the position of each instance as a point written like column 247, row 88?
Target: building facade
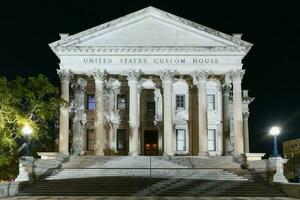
column 152, row 83
column 291, row 151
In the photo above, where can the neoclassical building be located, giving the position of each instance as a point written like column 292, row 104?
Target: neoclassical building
column 152, row 83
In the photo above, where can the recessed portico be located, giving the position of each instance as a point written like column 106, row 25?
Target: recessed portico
column 145, row 75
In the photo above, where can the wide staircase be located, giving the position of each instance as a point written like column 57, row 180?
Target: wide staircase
column 152, row 176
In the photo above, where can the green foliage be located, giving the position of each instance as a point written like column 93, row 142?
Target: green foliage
column 33, row 101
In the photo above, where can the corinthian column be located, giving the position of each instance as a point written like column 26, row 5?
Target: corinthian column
column 100, row 139
column 79, row 116
column 226, row 130
column 236, row 77
column 201, row 79
column 65, row 76
column 246, row 132
column 167, row 78
column 133, row 77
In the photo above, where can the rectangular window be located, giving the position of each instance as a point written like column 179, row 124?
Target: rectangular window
column 211, row 102
column 90, row 139
column 211, row 139
column 121, row 102
column 91, row 102
column 180, row 140
column 180, row 102
column 121, row 140
column 150, row 109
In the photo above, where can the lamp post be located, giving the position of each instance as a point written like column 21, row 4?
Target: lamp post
column 275, row 132
column 27, row 131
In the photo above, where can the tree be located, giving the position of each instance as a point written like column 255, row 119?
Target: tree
column 33, row 101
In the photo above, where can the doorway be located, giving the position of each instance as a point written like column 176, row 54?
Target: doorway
column 151, row 142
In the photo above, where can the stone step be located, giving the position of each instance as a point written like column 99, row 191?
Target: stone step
column 130, row 186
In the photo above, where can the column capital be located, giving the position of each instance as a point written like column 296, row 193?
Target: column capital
column 200, row 76
column 237, row 75
column 246, row 115
column 134, row 75
column 99, row 75
column 167, row 75
column 79, row 85
column 65, row 74
column 226, row 89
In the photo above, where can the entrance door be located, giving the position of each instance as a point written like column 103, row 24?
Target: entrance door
column 151, row 142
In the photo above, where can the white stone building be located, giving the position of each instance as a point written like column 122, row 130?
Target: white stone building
column 152, row 83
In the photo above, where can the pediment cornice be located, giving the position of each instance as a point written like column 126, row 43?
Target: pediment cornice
column 151, row 50
column 76, row 39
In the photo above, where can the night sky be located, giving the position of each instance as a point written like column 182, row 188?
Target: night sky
column 271, row 66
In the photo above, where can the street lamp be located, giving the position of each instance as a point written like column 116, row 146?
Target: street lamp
column 275, row 130
column 27, row 131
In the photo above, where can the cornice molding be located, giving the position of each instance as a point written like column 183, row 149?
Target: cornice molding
column 124, row 50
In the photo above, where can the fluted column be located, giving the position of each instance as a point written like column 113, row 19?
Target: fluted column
column 133, row 77
column 201, row 81
column 65, row 76
column 79, row 116
column 226, row 120
column 236, row 77
column 246, row 132
column 167, row 78
column 100, row 139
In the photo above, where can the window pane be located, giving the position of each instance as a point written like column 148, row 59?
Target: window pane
column 211, row 102
column 211, row 146
column 121, row 139
column 90, row 139
column 211, row 139
column 180, row 140
column 211, row 134
column 150, row 109
column 91, row 102
column 121, row 102
column 180, row 101
column 181, row 146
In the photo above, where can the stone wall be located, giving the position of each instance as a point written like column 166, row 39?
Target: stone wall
column 291, row 189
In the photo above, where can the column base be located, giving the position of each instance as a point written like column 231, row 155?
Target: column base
column 133, row 154
column 242, row 159
column 99, row 153
column 203, row 154
column 168, row 154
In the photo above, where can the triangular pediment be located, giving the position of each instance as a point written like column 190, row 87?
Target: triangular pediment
column 150, row 27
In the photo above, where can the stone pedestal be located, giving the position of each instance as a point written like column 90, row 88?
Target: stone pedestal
column 26, row 164
column 278, row 162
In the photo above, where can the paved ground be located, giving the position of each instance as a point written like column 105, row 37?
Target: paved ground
column 142, row 198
